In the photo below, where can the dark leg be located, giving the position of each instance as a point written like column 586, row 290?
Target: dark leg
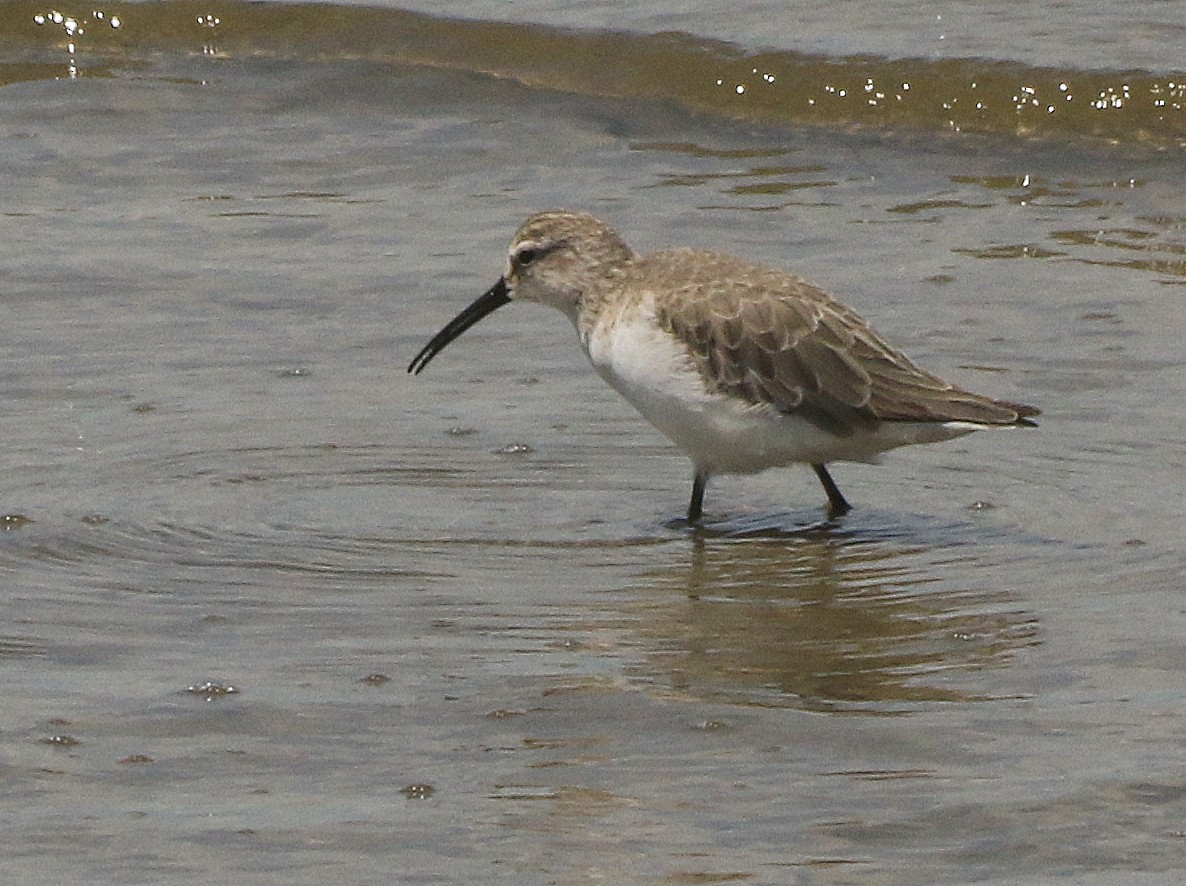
column 837, row 506
column 696, row 505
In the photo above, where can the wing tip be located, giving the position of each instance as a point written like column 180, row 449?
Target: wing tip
column 1024, row 414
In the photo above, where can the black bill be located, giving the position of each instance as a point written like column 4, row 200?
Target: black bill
column 495, row 297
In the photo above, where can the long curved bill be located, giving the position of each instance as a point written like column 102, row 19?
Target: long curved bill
column 494, row 298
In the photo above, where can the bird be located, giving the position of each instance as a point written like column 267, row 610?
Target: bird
column 743, row 366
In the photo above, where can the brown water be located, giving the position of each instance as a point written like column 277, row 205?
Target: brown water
column 464, row 641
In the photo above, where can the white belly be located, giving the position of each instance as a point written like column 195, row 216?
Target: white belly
column 722, row 434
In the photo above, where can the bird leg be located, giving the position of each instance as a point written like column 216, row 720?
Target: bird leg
column 696, row 505
column 837, row 505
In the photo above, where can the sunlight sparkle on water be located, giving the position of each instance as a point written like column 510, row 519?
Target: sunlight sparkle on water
column 742, row 88
column 74, row 30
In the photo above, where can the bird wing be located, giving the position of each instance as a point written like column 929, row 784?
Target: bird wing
column 773, row 339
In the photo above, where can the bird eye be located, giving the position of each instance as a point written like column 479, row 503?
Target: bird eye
column 526, row 256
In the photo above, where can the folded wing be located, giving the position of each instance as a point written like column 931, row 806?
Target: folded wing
column 775, row 340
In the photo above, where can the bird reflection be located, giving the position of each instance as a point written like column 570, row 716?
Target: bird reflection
column 828, row 623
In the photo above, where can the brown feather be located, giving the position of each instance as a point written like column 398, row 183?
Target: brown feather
column 775, row 340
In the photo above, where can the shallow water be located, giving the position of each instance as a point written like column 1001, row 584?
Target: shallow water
column 466, row 643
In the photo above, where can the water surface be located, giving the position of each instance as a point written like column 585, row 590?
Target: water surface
column 274, row 609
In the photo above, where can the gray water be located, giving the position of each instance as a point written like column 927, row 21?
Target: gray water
column 1075, row 34
column 275, row 611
